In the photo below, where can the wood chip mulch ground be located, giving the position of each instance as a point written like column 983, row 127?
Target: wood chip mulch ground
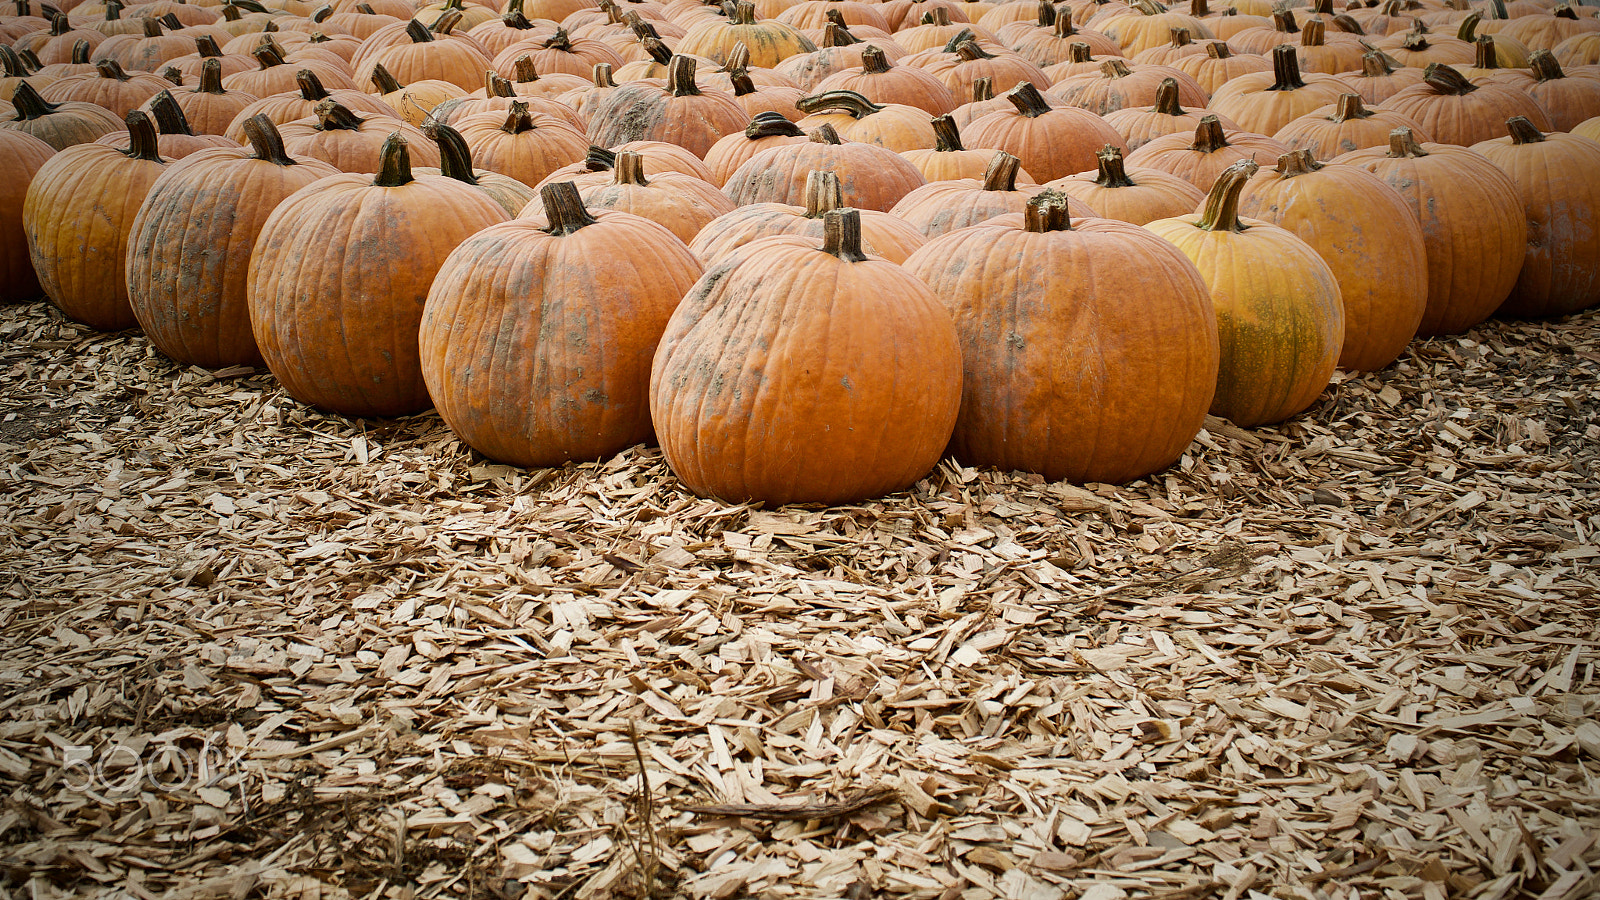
column 250, row 650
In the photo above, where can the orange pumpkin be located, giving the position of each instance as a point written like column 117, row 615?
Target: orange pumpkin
column 882, row 234
column 871, row 177
column 679, row 113
column 1199, row 160
column 1052, row 142
column 1456, row 111
column 1345, row 126
column 941, row 207
column 60, row 125
column 26, row 154
column 1139, row 195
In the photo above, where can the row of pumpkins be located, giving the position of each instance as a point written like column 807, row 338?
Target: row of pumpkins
column 771, row 235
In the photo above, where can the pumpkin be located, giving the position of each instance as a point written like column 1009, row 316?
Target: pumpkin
column 680, row 203
column 1051, row 43
column 426, row 58
column 1542, row 32
column 338, row 278
column 145, row 51
column 1417, row 48
column 871, row 177
column 1145, row 24
column 498, row 95
column 536, row 341
column 838, row 51
column 519, row 144
column 1212, row 149
column 55, row 44
column 582, row 100
column 557, row 54
column 949, row 159
column 512, row 26
column 1566, row 101
column 1280, row 320
column 301, row 102
column 1117, row 85
column 1052, row 142
column 109, row 88
column 658, row 156
column 1555, row 175
column 936, row 29
column 791, row 376
column 1345, row 126
column 1368, row 236
column 766, row 98
column 1263, row 103
column 455, row 161
column 351, row 143
column 1472, row 225
column 858, row 119
column 1080, row 61
column 1380, row 77
column 768, row 42
column 883, row 82
column 175, row 139
column 678, row 113
column 1076, row 365
column 472, row 14
column 189, row 246
column 1219, row 65
column 941, row 207
column 882, row 234
column 26, row 154
column 1139, row 195
column 765, row 130
column 1182, row 45
column 1589, row 128
column 1456, row 111
column 60, row 125
column 1139, row 125
column 276, row 75
column 904, row 14
column 815, row 15
column 210, row 107
column 1578, row 50
column 970, row 61
column 416, row 101
column 206, row 48
column 78, row 211
column 1328, row 52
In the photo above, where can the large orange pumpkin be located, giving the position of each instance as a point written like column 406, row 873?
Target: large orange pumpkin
column 1456, row 111
column 1052, row 142
column 789, row 375
column 189, row 246
column 882, row 234
column 26, row 154
column 1138, row 195
column 679, row 112
column 1076, row 365
column 1280, row 322
column 60, row 125
column 872, row 177
column 537, row 341
column 339, row 275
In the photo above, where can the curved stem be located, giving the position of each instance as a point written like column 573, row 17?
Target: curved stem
column 1469, row 27
column 29, row 104
column 1002, row 172
column 836, row 35
column 394, row 166
column 267, row 55
column 108, row 68
column 141, row 137
column 335, row 116
column 266, row 141
column 658, row 51
column 1113, row 172
column 969, row 51
column 563, row 206
column 446, row 22
column 947, row 137
column 599, row 159
column 849, row 102
column 822, row 193
column 771, row 124
column 455, row 157
column 311, row 88
column 1447, row 80
column 825, row 134
column 418, row 32
column 169, row 115
column 1544, row 66
column 738, row 59
column 1375, row 64
column 841, row 235
column 1523, row 131
column 1403, row 144
column 1221, row 210
column 1345, row 23
column 1045, row 212
column 384, row 80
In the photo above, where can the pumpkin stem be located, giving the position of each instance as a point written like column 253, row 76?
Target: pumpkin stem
column 518, row 119
column 1283, row 20
column 1028, row 101
column 825, row 134
column 1297, row 162
column 446, row 22
column 680, row 77
column 599, row 159
column 171, row 73
column 1181, row 37
column 658, row 51
column 1314, row 34
column 849, row 102
column 1209, row 136
column 1544, row 65
column 1403, row 144
column 267, row 55
column 496, row 86
column 1046, row 212
column 841, row 235
column 515, row 18
column 1115, row 67
column 59, row 25
column 266, row 141
column 384, row 80
column 957, row 39
column 523, row 70
column 982, row 89
column 1167, row 98
column 1113, row 170
column 80, row 53
column 335, row 116
column 109, row 68
column 559, row 41
column 206, row 46
column 1376, row 64
column 1523, row 131
column 1484, row 56
column 1002, row 172
column 1348, row 25
column 367, row 10
column 394, row 166
column 771, row 124
column 230, row 13
column 602, row 76
column 873, row 62
column 822, row 193
column 563, row 206
column 744, row 13
column 1218, row 50
column 169, row 115
column 1564, row 11
column 418, row 32
column 938, row 16
column 455, row 157
column 946, row 136
column 1199, row 9
column 630, row 169
column 836, row 35
column 741, row 83
column 1063, row 27
column 1349, row 107
column 321, row 14
column 29, row 104
column 1047, row 14
column 1469, row 27
column 1221, row 210
column 738, row 58
column 969, row 51
column 1447, row 80
column 1079, row 52
column 311, row 88
column 1286, row 69
column 141, row 138
column 151, row 28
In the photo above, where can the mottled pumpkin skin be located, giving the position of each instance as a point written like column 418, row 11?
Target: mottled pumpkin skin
column 189, row 253
column 1558, row 180
column 536, row 347
column 77, row 216
column 26, row 154
column 1077, row 365
column 789, row 376
column 1280, row 321
column 338, row 280
column 1473, row 229
column 1371, row 240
